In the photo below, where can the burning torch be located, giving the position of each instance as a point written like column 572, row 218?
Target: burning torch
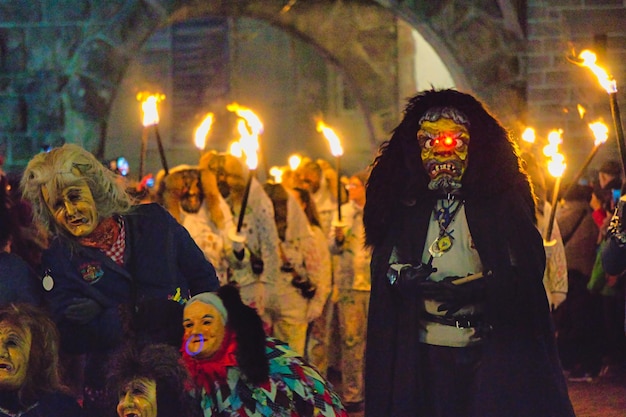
column 588, row 59
column 556, row 168
column 150, row 118
column 202, row 131
column 250, row 127
column 601, row 133
column 336, row 150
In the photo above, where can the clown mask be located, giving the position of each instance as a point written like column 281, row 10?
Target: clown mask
column 444, row 144
column 204, row 329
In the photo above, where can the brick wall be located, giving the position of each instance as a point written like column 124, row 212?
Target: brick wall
column 556, row 86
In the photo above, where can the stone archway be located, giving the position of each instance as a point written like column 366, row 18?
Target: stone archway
column 93, row 45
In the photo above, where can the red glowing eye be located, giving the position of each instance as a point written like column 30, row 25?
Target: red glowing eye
column 448, row 141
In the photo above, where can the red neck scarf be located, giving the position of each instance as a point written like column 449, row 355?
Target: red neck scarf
column 206, row 371
column 103, row 236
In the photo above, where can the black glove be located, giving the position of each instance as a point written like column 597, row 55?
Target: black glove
column 452, row 296
column 82, row 310
column 403, row 274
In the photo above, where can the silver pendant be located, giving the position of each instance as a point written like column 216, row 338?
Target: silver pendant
column 47, row 282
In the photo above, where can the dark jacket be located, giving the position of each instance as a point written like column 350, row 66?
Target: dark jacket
column 579, row 233
column 613, row 256
column 160, row 260
column 520, row 374
column 18, row 281
column 53, row 405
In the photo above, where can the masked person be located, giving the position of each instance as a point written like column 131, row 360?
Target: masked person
column 151, row 381
column 353, row 283
column 239, row 371
column 447, row 199
column 555, row 277
column 318, row 178
column 257, row 265
column 292, row 298
column 107, row 256
column 192, row 197
column 30, row 385
column 318, row 333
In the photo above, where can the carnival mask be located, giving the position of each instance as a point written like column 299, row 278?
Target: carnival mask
column 191, row 196
column 444, row 150
column 74, row 208
column 15, row 344
column 204, row 329
column 138, row 398
column 229, row 174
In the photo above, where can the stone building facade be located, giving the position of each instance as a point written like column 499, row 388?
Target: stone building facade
column 62, row 62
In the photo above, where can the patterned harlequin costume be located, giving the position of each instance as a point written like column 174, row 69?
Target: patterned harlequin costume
column 236, row 381
column 294, row 388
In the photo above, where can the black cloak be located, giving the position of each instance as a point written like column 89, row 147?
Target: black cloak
column 520, row 373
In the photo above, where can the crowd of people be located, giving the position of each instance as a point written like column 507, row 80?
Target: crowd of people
column 427, row 282
column 120, row 262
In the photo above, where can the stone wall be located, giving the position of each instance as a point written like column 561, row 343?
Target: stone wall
column 61, row 61
column 558, row 29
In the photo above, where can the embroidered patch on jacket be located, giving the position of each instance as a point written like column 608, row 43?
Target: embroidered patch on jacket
column 91, row 272
column 178, row 297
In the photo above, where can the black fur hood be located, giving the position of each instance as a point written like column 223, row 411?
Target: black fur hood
column 398, row 176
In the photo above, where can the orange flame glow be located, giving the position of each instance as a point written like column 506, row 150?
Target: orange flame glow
column 331, row 136
column 556, row 163
column 277, row 173
column 202, row 131
column 149, row 106
column 600, row 132
column 589, row 60
column 554, row 140
column 528, row 135
column 294, row 161
column 235, row 149
column 249, row 127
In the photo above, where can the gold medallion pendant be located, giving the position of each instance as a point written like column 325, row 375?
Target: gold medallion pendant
column 440, row 246
column 444, row 243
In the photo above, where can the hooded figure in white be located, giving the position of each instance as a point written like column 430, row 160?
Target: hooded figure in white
column 290, row 297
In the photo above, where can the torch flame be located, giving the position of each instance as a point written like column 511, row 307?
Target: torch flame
column 581, row 110
column 149, row 106
column 556, row 166
column 202, row 131
column 331, row 136
column 252, row 120
column 528, row 135
column 249, row 127
column 600, row 132
column 294, row 161
column 277, row 173
column 589, row 60
column 554, row 140
column 235, row 149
